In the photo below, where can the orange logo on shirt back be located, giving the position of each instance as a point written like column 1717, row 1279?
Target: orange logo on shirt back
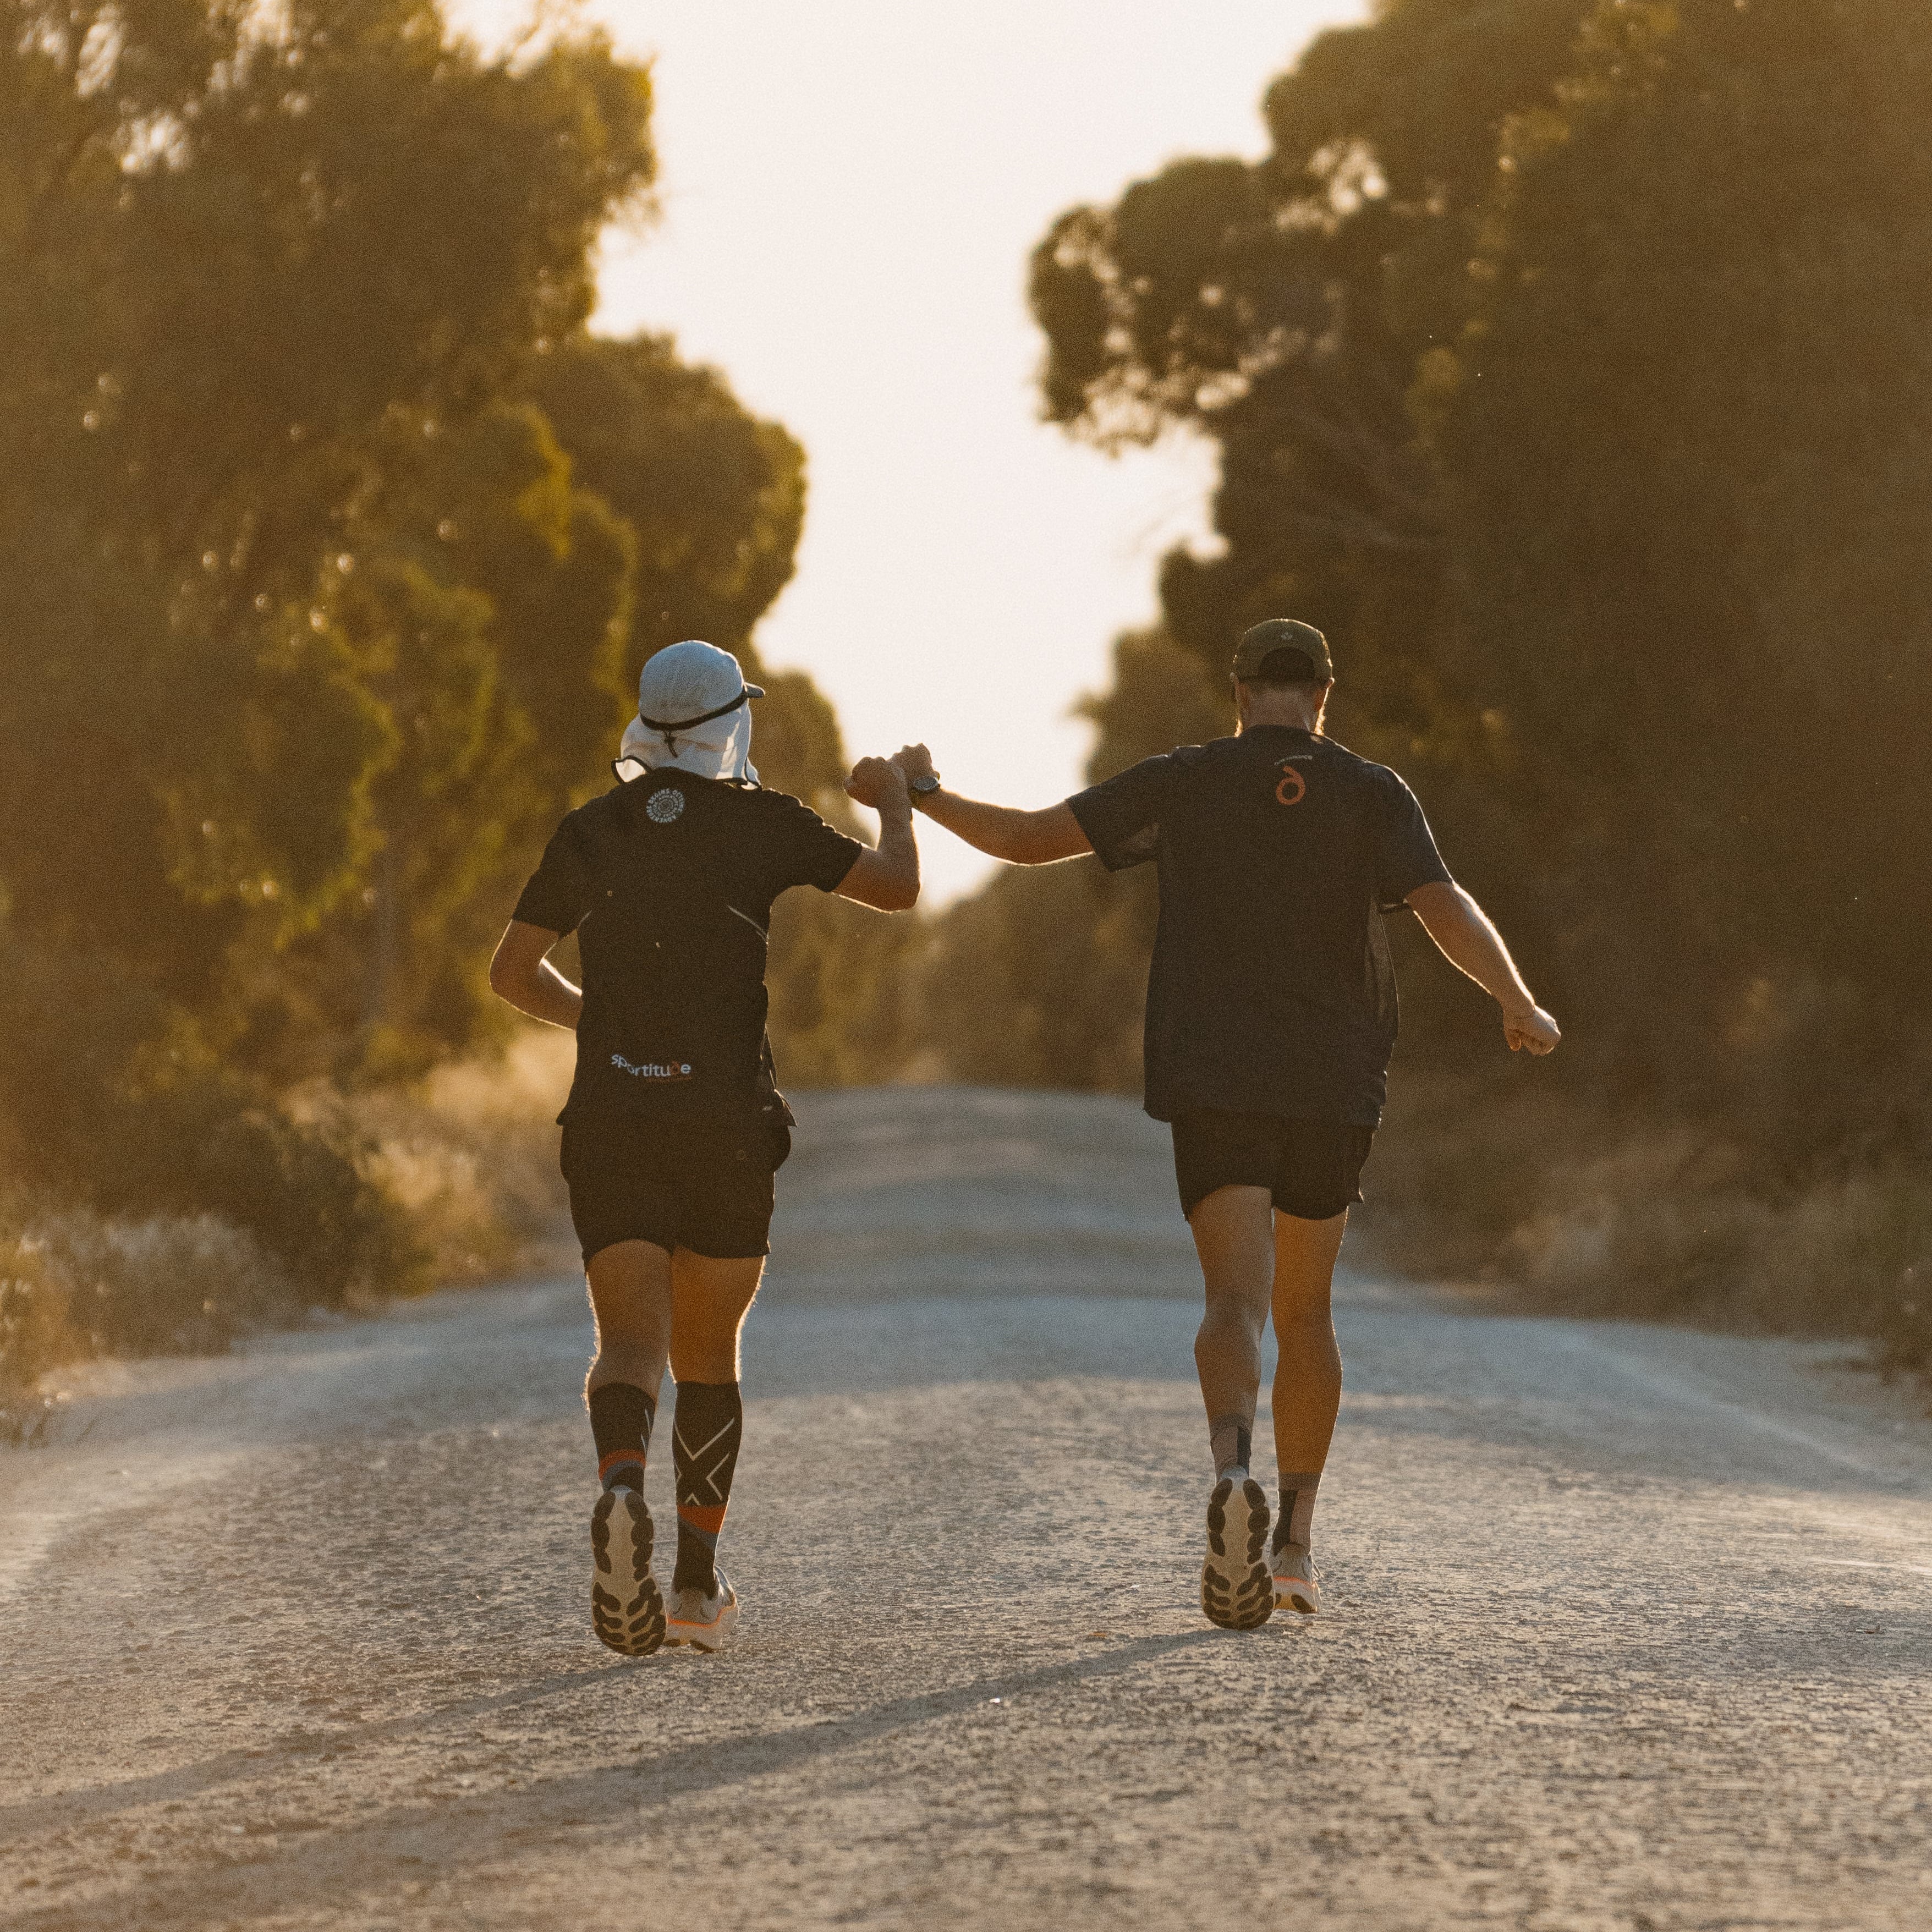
column 1293, row 787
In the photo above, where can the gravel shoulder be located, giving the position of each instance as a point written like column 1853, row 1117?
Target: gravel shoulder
column 1628, row 1627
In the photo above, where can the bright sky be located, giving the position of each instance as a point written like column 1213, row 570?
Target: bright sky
column 850, row 190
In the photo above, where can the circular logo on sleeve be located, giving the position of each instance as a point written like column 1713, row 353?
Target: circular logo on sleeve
column 661, row 807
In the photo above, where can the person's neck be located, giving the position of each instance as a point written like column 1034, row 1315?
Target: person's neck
column 1283, row 708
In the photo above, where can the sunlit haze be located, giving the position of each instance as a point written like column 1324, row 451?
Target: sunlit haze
column 848, row 195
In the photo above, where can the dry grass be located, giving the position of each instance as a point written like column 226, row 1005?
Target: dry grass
column 1671, row 1224
column 469, row 1154
column 75, row 1284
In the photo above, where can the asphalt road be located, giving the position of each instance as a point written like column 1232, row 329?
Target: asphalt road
column 1628, row 1627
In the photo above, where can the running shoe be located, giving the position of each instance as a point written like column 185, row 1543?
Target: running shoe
column 702, row 1618
column 1297, row 1587
column 626, row 1605
column 1237, row 1591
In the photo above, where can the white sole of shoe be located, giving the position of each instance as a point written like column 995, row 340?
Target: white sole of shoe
column 626, row 1606
column 1236, row 1585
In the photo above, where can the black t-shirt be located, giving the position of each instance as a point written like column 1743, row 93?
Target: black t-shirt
column 1271, row 990
column 668, row 882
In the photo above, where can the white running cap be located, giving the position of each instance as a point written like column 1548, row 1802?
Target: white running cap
column 689, row 684
column 694, row 713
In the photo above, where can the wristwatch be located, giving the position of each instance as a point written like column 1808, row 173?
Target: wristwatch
column 922, row 787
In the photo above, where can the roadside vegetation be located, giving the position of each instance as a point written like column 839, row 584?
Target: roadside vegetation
column 1566, row 362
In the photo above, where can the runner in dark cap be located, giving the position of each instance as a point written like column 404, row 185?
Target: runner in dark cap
column 675, row 1125
column 1271, row 1016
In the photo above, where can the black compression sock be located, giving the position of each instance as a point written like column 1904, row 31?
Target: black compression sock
column 704, row 1444
column 621, row 1415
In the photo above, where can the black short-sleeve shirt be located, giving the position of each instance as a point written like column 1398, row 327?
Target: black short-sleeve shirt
column 668, row 882
column 1271, row 989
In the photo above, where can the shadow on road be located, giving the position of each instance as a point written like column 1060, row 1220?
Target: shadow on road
column 470, row 1831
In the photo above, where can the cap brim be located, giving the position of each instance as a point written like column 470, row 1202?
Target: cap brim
column 754, row 690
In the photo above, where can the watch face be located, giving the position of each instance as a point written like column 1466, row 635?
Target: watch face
column 923, row 785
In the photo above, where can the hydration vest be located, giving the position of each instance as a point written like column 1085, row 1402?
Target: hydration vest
column 674, row 1001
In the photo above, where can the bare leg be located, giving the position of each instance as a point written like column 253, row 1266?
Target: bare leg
column 631, row 1301
column 709, row 1302
column 1308, row 1368
column 1307, row 1392
column 1235, row 1239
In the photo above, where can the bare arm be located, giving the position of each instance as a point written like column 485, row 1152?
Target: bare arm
column 1004, row 832
column 521, row 974
column 888, row 878
column 1467, row 939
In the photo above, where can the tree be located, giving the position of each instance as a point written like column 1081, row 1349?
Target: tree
column 1685, row 430
column 1280, row 307
column 221, row 373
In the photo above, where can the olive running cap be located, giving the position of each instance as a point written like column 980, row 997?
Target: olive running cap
column 1282, row 633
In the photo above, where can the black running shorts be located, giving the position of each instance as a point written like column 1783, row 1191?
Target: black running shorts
column 707, row 1189
column 1311, row 1168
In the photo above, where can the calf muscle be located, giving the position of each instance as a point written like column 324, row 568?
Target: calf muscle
column 1308, row 1365
column 1233, row 1239
column 631, row 1303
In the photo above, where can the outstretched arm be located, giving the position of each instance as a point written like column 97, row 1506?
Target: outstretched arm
column 1002, row 831
column 521, row 974
column 886, row 879
column 1462, row 931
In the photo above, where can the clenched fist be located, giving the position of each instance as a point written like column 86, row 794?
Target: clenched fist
column 876, row 782
column 916, row 761
column 1533, row 1032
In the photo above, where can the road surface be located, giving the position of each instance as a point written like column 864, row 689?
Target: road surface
column 1628, row 1628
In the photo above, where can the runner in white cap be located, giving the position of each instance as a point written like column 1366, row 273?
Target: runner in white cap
column 675, row 1126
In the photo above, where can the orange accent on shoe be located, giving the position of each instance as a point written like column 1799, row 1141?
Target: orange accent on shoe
column 1287, row 1588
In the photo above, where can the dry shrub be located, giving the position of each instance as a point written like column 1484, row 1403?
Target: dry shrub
column 1838, row 1257
column 1460, row 1163
column 172, row 1285
column 1670, row 1224
column 469, row 1154
column 37, row 1332
column 74, row 1284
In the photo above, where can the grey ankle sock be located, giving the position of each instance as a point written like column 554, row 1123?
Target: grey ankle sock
column 1296, row 1522
column 1229, row 1440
